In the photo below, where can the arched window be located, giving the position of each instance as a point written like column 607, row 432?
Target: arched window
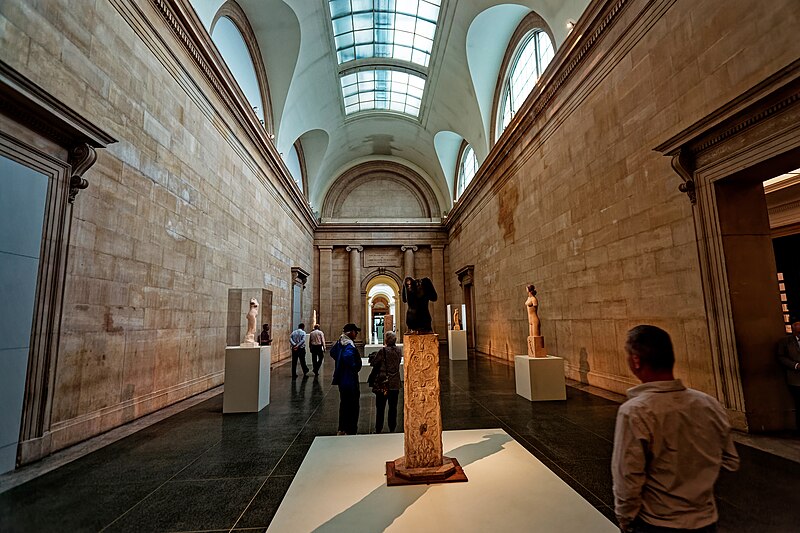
column 534, row 53
column 467, row 168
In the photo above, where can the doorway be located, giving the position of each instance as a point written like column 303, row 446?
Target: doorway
column 382, row 302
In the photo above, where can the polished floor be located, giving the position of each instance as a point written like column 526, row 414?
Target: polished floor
column 201, row 471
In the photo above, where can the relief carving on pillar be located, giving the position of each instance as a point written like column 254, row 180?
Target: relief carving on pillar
column 422, row 411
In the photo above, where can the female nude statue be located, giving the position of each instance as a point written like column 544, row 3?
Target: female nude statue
column 532, row 305
column 250, row 337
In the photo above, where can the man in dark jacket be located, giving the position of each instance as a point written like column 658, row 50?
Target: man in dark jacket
column 345, row 375
column 788, row 352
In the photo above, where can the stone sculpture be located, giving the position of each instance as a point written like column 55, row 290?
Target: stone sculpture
column 250, row 338
column 457, row 319
column 417, row 293
column 535, row 340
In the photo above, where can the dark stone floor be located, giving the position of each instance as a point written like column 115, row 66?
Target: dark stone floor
column 198, row 470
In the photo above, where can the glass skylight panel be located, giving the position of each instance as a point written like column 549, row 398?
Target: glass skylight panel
column 398, row 29
column 382, row 89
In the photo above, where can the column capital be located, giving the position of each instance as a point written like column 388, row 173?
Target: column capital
column 355, row 248
column 325, row 247
column 438, row 247
column 408, row 247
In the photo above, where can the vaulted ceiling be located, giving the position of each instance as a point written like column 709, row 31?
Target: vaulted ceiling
column 296, row 41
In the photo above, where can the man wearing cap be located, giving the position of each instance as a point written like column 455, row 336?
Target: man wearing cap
column 345, row 375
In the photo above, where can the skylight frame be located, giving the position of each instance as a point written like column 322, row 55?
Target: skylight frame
column 384, row 29
column 382, row 89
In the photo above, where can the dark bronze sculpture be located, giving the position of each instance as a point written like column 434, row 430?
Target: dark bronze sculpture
column 417, row 293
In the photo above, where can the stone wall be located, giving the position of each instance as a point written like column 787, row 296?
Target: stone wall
column 580, row 204
column 181, row 209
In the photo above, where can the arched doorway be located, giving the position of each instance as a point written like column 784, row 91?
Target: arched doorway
column 382, row 305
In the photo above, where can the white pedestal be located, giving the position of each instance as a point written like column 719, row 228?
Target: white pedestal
column 540, row 378
column 509, row 490
column 366, row 368
column 246, row 379
column 457, row 344
column 370, row 348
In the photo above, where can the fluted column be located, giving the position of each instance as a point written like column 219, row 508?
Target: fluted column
column 439, row 306
column 326, row 291
column 408, row 271
column 355, row 308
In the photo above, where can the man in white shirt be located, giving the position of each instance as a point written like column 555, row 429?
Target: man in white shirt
column 298, row 341
column 669, row 444
column 316, row 340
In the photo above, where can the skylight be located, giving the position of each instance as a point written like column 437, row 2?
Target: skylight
column 397, row 29
column 382, row 89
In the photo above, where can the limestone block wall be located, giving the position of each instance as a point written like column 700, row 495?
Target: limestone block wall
column 181, row 209
column 581, row 205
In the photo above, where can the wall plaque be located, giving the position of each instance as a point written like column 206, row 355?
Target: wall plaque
column 381, row 258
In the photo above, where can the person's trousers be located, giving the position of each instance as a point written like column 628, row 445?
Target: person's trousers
column 796, row 395
column 380, row 406
column 316, row 356
column 348, row 409
column 300, row 354
column 640, row 526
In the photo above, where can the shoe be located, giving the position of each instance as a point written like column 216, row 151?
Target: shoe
column 340, row 432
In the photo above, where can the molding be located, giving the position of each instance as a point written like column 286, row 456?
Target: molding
column 81, row 158
column 184, row 25
column 466, row 275
column 299, row 276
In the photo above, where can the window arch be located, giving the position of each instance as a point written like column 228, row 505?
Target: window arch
column 235, row 39
column 467, row 168
column 529, row 51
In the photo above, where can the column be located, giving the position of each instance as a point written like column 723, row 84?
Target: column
column 355, row 312
column 326, row 292
column 408, row 271
column 440, row 306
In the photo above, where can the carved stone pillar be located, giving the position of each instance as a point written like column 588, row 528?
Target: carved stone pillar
column 437, row 271
column 355, row 311
column 326, row 290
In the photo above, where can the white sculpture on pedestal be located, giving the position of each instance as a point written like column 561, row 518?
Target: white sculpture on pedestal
column 252, row 315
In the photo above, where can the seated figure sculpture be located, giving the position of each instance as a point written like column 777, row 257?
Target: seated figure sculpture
column 417, row 293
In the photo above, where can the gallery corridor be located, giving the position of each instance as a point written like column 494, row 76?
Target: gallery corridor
column 201, row 471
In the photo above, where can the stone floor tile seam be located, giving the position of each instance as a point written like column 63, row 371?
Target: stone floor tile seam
column 261, row 487
column 564, row 473
column 131, row 508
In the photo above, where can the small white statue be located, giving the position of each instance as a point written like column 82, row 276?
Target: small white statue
column 250, row 338
column 457, row 320
column 535, row 340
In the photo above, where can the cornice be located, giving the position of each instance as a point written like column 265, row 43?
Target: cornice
column 188, row 30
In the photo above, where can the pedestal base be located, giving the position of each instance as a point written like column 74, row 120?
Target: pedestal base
column 246, row 379
column 449, row 472
column 540, row 378
column 536, row 346
column 457, row 344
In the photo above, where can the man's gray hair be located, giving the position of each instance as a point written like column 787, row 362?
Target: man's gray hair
column 389, row 338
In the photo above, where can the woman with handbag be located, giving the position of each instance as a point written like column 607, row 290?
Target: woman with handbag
column 385, row 381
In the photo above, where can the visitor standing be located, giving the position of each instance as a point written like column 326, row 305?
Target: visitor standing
column 316, row 340
column 345, row 375
column 669, row 444
column 385, row 381
column 298, row 341
column 788, row 352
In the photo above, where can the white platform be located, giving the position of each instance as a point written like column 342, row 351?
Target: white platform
column 366, row 368
column 540, row 378
column 246, row 379
column 341, row 487
column 457, row 344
